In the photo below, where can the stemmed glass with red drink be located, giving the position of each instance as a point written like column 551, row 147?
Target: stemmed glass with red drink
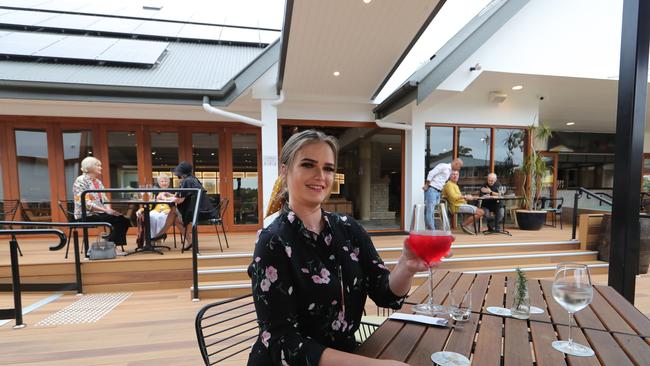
column 430, row 245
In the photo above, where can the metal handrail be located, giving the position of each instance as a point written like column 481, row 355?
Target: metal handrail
column 59, row 224
column 579, row 192
column 195, row 242
column 17, row 311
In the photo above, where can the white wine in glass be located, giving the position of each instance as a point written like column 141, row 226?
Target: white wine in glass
column 573, row 291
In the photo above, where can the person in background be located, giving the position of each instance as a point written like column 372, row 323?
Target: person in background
column 458, row 202
column 162, row 216
column 312, row 270
column 185, row 201
column 96, row 210
column 433, row 186
column 491, row 188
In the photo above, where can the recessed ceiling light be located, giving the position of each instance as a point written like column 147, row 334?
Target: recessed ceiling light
column 570, row 123
column 336, row 73
column 367, row 1
column 517, row 87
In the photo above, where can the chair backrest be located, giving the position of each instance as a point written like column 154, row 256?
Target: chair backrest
column 223, row 206
column 227, row 328
column 8, row 209
column 67, row 207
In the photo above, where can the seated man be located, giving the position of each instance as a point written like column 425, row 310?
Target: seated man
column 458, row 202
column 491, row 188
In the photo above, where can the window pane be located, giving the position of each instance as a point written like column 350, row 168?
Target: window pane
column 123, row 157
column 368, row 184
column 76, row 146
column 474, row 149
column 205, row 159
column 244, row 175
column 508, row 155
column 33, row 175
column 440, row 145
column 164, row 154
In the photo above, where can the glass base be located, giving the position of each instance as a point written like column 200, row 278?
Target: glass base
column 427, row 309
column 446, row 358
column 573, row 348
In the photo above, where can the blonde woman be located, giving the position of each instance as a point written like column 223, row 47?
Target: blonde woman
column 96, row 210
column 312, row 270
column 162, row 215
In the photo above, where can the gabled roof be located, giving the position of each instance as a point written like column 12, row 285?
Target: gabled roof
column 450, row 56
column 188, row 69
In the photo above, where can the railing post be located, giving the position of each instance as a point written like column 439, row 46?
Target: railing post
column 77, row 262
column 15, row 282
column 195, row 264
column 576, row 198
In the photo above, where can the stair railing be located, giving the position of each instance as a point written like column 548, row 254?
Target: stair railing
column 576, row 199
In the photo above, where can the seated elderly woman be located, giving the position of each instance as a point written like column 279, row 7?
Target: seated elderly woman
column 161, row 216
column 458, row 202
column 96, row 210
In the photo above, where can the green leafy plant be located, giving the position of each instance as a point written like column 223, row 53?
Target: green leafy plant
column 522, row 287
column 533, row 167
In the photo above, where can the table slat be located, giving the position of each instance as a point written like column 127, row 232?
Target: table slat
column 635, row 347
column 432, row 341
column 494, row 295
column 639, row 322
column 543, row 335
column 537, row 299
column 516, row 348
column 422, row 292
column 488, row 344
column 380, row 338
column 404, row 342
column 609, row 316
column 606, row 348
column 579, row 337
column 462, row 338
column 479, row 290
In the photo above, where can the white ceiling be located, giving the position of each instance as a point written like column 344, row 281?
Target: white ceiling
column 590, row 103
column 361, row 41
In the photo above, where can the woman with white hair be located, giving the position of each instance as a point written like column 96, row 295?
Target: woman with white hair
column 162, row 215
column 96, row 209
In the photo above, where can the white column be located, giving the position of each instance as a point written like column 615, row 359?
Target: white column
column 414, row 178
column 269, row 150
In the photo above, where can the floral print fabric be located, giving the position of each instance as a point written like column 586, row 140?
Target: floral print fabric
column 93, row 200
column 310, row 290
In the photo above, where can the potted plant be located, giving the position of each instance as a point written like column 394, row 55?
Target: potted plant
column 533, row 170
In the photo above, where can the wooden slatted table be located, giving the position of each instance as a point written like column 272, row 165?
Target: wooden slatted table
column 617, row 331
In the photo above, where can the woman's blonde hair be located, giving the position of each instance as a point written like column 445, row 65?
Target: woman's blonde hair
column 290, row 151
column 88, row 163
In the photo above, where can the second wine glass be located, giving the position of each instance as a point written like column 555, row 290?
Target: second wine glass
column 430, row 246
column 573, row 291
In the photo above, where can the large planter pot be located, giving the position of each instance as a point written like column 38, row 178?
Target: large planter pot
column 531, row 220
column 644, row 242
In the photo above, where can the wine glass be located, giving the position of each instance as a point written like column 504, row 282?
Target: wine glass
column 502, row 190
column 572, row 290
column 430, row 246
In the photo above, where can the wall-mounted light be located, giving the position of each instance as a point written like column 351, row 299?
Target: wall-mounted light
column 476, row 67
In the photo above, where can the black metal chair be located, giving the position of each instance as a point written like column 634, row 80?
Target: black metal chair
column 8, row 210
column 553, row 206
column 67, row 207
column 227, row 328
column 218, row 221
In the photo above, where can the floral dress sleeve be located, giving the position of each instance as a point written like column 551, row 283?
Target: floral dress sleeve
column 377, row 275
column 275, row 304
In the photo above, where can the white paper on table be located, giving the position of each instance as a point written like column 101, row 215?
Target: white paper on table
column 423, row 319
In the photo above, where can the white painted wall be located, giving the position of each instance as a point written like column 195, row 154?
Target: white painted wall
column 646, row 141
column 577, row 38
column 269, row 150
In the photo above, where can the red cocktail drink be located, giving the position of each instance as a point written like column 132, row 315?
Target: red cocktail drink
column 431, row 246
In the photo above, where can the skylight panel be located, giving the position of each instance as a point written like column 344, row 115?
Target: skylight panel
column 451, row 18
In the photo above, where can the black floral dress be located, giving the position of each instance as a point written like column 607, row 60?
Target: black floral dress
column 310, row 290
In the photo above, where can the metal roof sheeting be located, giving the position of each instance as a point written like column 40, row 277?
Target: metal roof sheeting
column 183, row 66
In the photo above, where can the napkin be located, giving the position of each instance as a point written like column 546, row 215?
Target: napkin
column 423, row 319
